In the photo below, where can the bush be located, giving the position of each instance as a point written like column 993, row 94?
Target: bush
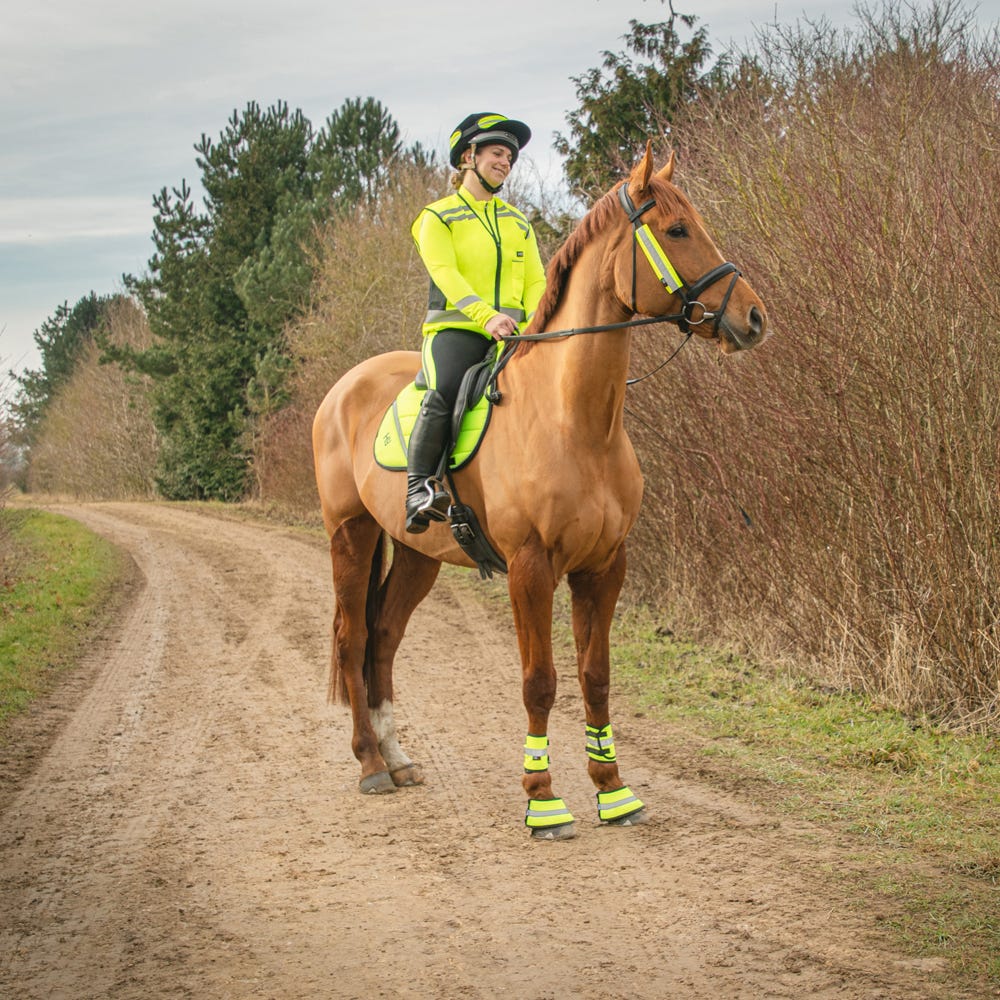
column 96, row 439
column 835, row 494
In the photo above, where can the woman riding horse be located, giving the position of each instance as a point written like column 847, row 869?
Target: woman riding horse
column 486, row 280
column 555, row 482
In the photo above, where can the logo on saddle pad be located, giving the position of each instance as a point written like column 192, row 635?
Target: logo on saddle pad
column 393, row 437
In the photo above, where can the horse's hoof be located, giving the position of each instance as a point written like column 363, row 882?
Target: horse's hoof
column 565, row 832
column 377, row 784
column 632, row 819
column 406, row 777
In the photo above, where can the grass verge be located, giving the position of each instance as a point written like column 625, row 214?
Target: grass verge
column 915, row 806
column 65, row 577
column 921, row 803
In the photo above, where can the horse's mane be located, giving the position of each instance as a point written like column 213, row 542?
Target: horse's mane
column 668, row 197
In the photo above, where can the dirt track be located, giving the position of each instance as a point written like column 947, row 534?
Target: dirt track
column 182, row 820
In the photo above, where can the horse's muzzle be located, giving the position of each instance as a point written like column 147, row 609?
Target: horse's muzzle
column 735, row 337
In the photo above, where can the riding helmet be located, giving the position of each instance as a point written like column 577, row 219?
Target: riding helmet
column 488, row 128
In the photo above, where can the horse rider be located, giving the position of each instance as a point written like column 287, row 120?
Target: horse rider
column 486, row 279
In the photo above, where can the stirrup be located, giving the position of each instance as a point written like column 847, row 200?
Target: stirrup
column 435, row 507
column 433, row 504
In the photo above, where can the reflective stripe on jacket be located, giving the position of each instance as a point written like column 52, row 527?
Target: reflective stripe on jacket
column 482, row 258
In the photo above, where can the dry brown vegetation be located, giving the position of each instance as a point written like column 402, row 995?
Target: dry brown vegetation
column 835, row 495
column 97, row 440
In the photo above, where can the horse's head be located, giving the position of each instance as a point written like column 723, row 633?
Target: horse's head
column 669, row 266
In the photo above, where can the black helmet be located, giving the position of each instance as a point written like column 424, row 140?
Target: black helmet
column 488, row 128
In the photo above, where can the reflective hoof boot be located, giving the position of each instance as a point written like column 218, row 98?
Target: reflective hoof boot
column 426, row 501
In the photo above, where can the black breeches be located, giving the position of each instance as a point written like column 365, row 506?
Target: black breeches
column 448, row 354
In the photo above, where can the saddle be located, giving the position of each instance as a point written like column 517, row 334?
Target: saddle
column 470, row 420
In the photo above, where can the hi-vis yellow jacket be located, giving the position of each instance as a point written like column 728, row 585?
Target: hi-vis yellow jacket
column 482, row 258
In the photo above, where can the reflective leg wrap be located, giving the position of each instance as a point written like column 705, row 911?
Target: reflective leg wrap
column 547, row 814
column 536, row 753
column 618, row 806
column 601, row 744
column 546, row 818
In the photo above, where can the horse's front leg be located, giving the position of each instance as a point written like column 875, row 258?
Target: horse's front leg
column 531, row 583
column 595, row 596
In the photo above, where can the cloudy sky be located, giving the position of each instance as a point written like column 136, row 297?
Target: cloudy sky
column 101, row 102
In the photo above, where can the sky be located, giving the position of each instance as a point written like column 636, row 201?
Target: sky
column 101, row 102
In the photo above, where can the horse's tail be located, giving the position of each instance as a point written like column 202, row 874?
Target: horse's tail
column 373, row 604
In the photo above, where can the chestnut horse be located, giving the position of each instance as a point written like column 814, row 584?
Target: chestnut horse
column 556, row 483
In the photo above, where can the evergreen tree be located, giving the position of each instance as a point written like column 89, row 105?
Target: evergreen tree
column 625, row 100
column 353, row 152
column 223, row 282
column 61, row 340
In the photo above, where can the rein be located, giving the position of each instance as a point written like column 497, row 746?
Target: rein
column 668, row 277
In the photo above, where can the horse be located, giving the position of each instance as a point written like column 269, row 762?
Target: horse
column 556, row 482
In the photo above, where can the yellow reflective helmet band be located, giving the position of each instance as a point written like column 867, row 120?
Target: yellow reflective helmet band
column 658, row 260
column 483, row 124
column 486, row 122
column 618, row 804
column 601, row 743
column 536, row 753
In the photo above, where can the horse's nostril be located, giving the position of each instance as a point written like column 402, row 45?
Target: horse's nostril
column 756, row 321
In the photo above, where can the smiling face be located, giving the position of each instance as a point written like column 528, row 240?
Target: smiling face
column 493, row 162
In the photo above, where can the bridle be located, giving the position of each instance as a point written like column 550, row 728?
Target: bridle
column 693, row 312
column 667, row 273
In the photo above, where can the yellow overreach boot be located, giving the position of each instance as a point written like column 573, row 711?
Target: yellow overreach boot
column 621, row 806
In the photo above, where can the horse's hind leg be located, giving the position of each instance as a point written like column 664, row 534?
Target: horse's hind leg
column 594, row 598
column 410, row 579
column 355, row 550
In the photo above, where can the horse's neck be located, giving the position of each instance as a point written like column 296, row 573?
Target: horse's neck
column 583, row 376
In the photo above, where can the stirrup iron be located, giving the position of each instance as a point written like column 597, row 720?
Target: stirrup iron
column 435, row 507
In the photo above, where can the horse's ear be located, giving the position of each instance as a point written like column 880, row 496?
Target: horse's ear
column 638, row 180
column 666, row 172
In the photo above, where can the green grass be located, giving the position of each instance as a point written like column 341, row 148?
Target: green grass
column 914, row 805
column 60, row 580
column 921, row 802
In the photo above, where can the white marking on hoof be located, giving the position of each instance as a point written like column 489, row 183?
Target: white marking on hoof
column 385, row 730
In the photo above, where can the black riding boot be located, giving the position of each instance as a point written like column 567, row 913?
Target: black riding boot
column 426, row 499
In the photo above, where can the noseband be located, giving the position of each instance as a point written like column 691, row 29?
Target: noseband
column 693, row 312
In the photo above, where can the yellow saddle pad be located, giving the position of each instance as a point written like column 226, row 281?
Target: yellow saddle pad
column 393, row 435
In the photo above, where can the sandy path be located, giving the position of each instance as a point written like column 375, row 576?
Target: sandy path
column 192, row 828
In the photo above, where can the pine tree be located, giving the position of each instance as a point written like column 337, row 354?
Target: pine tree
column 61, row 340
column 625, row 100
column 224, row 281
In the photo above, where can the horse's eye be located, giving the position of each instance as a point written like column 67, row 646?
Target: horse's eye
column 678, row 231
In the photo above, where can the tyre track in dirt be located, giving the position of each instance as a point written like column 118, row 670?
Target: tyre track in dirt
column 193, row 829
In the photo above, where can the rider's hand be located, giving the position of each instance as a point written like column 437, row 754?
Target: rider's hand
column 501, row 326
